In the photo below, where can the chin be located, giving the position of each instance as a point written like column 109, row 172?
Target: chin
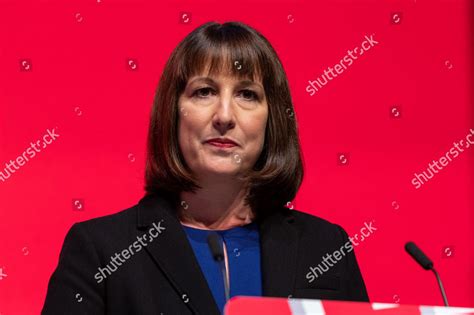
column 221, row 170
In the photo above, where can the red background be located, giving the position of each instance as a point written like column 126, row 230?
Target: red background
column 80, row 81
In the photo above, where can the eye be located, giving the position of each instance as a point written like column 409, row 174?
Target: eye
column 250, row 95
column 202, row 93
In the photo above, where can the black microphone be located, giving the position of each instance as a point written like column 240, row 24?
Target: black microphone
column 426, row 263
column 214, row 242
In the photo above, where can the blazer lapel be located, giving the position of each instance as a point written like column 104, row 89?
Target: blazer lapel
column 279, row 247
column 174, row 255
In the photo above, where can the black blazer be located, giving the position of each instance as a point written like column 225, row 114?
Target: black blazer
column 165, row 277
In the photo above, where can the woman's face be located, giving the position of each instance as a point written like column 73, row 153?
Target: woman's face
column 227, row 108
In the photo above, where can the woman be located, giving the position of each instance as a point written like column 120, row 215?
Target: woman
column 223, row 157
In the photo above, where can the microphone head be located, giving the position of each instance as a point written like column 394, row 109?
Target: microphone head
column 419, row 256
column 214, row 242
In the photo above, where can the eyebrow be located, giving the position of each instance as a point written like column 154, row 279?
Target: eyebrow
column 242, row 83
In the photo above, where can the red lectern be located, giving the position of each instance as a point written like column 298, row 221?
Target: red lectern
column 278, row 306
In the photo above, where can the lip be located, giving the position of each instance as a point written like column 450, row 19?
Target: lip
column 222, row 142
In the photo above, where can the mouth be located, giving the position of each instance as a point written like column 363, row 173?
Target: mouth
column 221, row 143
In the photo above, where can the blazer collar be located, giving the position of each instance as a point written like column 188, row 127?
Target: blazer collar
column 175, row 257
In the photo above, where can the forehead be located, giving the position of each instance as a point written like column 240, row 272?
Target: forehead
column 221, row 67
column 205, row 76
column 222, row 78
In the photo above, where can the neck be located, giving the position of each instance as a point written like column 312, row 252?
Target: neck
column 217, row 206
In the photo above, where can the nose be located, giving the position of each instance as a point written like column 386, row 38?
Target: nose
column 224, row 119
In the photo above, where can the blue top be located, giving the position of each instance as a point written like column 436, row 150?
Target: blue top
column 243, row 254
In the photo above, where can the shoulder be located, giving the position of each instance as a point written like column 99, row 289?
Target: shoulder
column 312, row 227
column 304, row 218
column 313, row 222
column 105, row 232
column 112, row 222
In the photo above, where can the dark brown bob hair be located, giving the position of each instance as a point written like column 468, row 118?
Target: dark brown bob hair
column 244, row 53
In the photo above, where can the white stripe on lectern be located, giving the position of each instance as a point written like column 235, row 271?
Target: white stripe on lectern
column 383, row 306
column 306, row 307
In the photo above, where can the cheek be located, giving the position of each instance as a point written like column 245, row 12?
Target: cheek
column 256, row 132
column 190, row 127
column 185, row 132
